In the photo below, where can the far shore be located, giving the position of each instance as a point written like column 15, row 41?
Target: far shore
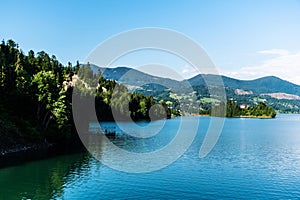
column 242, row 116
column 256, row 117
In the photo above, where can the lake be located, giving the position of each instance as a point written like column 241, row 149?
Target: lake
column 253, row 159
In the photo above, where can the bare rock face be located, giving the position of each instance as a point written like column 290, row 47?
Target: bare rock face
column 281, row 95
column 242, row 92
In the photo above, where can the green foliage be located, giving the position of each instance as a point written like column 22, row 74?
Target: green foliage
column 36, row 92
column 45, row 86
column 61, row 110
column 233, row 110
column 35, row 103
column 86, row 74
column 113, row 101
column 260, row 110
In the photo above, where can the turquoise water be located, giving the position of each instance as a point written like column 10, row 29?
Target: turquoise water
column 253, row 159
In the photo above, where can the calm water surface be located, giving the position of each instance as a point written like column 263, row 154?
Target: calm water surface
column 253, row 159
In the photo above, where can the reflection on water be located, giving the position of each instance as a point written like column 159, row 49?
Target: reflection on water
column 253, row 159
column 41, row 179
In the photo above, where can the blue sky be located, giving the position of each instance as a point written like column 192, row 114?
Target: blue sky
column 245, row 39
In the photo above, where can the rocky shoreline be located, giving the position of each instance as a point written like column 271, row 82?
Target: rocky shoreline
column 22, row 153
column 29, row 152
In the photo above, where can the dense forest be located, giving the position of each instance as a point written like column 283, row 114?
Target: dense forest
column 37, row 91
column 34, row 105
column 261, row 110
column 114, row 98
column 36, row 96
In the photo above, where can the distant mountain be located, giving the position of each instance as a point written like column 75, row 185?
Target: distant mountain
column 268, row 84
column 282, row 95
column 134, row 77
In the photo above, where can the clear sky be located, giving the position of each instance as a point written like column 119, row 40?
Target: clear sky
column 245, row 38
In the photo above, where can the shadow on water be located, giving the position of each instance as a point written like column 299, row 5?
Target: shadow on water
column 45, row 179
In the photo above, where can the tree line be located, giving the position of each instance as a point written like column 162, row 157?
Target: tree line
column 36, row 97
column 232, row 109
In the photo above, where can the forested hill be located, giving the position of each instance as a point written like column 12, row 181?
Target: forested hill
column 268, row 84
column 260, row 110
column 282, row 95
column 34, row 105
column 36, row 92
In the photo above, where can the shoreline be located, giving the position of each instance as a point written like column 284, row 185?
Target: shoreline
column 242, row 116
column 20, row 154
column 23, row 153
column 255, row 117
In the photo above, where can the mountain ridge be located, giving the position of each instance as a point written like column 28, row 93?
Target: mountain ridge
column 278, row 93
column 134, row 77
